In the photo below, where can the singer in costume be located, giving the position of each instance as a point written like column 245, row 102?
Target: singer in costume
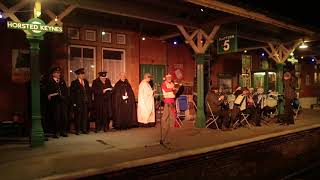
column 124, row 105
column 146, row 110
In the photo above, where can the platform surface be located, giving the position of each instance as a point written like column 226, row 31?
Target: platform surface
column 76, row 156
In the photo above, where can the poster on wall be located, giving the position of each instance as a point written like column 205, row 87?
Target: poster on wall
column 245, row 78
column 20, row 66
column 177, row 72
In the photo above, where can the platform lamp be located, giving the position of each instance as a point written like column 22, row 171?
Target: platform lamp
column 37, row 9
column 303, row 45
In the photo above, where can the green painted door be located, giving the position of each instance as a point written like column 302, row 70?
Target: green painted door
column 157, row 71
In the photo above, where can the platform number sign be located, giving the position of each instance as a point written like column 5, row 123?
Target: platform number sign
column 227, row 44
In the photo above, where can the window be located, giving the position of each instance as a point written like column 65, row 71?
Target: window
column 106, row 37
column 90, row 35
column 113, row 62
column 121, row 39
column 307, row 80
column 82, row 57
column 73, row 33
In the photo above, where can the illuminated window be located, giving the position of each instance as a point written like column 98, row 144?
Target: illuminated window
column 82, row 57
column 113, row 62
column 307, row 80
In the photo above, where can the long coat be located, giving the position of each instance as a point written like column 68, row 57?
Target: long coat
column 124, row 110
column 102, row 101
column 80, row 94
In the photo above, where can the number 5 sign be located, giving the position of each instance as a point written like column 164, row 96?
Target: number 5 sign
column 227, row 44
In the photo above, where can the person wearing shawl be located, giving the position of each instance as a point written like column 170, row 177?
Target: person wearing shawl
column 124, row 105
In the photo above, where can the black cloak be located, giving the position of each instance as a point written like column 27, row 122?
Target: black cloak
column 124, row 111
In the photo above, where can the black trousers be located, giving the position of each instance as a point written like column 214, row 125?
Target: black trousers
column 288, row 111
column 60, row 117
column 81, row 117
column 224, row 117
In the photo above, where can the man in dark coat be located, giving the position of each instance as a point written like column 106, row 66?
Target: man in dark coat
column 124, row 105
column 81, row 100
column 57, row 97
column 289, row 97
column 216, row 102
column 102, row 93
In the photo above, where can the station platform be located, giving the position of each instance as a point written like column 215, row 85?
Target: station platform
column 102, row 153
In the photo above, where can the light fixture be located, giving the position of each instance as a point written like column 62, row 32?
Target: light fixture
column 37, row 9
column 245, row 51
column 71, row 71
column 56, row 19
column 201, row 10
column 291, row 54
column 1, row 16
column 103, row 33
column 175, row 42
column 303, row 45
column 301, row 57
column 312, row 60
column 262, row 54
column 143, row 38
column 92, row 66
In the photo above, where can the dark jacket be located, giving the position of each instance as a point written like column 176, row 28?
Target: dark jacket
column 213, row 100
column 60, row 88
column 289, row 89
column 80, row 94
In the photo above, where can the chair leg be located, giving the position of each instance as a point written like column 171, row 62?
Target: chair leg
column 216, row 125
column 209, row 122
column 234, row 125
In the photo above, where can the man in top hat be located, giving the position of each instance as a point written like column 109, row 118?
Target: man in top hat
column 57, row 93
column 81, row 100
column 168, row 118
column 289, row 96
column 102, row 94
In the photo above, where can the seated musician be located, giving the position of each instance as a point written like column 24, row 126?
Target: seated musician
column 215, row 101
column 251, row 107
column 236, row 108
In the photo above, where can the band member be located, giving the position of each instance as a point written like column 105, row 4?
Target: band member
column 216, row 102
column 146, row 111
column 289, row 97
column 168, row 117
column 124, row 105
column 57, row 98
column 81, row 100
column 252, row 108
column 236, row 108
column 102, row 94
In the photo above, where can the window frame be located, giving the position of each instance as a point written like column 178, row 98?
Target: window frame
column 114, row 49
column 93, row 31
column 94, row 60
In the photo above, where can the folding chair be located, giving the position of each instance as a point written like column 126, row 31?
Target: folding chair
column 213, row 118
column 181, row 107
column 245, row 117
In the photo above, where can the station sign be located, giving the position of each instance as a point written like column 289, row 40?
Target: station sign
column 35, row 26
column 227, row 44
